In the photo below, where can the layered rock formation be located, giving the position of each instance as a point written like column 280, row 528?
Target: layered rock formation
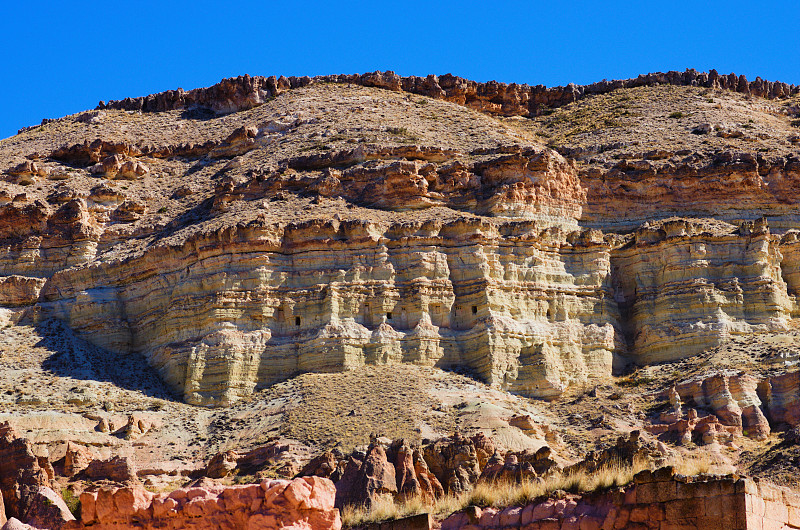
column 656, row 501
column 734, row 186
column 437, row 294
column 502, row 257
column 682, row 287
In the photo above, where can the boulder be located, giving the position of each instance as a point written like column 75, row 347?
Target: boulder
column 48, row 510
column 115, row 469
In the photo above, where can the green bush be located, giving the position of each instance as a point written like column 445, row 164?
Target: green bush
column 72, row 502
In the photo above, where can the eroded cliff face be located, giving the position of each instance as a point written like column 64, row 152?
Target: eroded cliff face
column 238, row 259
column 525, row 308
column 683, row 287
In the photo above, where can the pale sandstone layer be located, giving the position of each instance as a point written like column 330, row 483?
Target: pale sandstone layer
column 478, row 249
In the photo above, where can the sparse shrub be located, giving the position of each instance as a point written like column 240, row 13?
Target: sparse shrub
column 502, row 493
column 795, row 123
column 677, row 115
column 636, row 381
column 72, row 502
column 403, row 133
column 244, row 479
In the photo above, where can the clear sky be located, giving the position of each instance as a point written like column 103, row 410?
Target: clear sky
column 62, row 57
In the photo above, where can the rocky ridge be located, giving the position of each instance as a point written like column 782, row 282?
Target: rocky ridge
column 245, row 92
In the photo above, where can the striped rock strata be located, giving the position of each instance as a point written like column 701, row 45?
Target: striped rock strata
column 505, row 260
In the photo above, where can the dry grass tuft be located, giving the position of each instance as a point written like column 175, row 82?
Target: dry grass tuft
column 503, row 494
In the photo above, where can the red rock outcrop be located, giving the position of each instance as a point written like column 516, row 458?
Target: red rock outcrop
column 367, row 478
column 116, row 469
column 518, row 466
column 21, row 473
column 76, row 459
column 457, row 462
column 273, row 504
column 245, row 92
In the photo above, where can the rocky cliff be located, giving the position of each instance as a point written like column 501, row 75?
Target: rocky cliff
column 237, row 235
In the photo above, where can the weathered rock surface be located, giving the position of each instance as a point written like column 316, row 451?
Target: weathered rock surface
column 301, row 503
column 533, row 271
column 21, row 473
column 116, row 469
column 48, row 510
column 655, row 501
column 275, row 454
column 457, row 462
column 245, row 92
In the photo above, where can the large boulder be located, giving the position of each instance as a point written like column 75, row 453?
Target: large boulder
column 116, row 469
column 48, row 510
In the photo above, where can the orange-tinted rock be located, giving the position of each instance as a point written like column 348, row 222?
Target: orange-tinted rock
column 17, row 291
column 457, row 462
column 21, row 476
column 781, row 396
column 326, row 465
column 237, row 143
column 414, row 479
column 519, row 466
column 301, row 503
column 76, row 459
column 115, row 469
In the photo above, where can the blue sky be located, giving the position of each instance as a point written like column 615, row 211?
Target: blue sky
column 63, row 57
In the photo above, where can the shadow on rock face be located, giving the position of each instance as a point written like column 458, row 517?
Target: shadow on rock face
column 198, row 113
column 75, row 358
